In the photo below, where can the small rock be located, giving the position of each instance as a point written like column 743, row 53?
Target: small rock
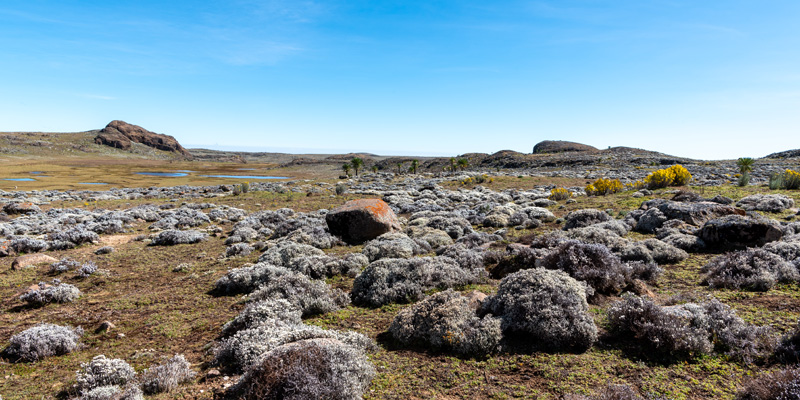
column 30, row 260
column 120, row 335
column 212, row 373
column 106, row 326
column 475, row 298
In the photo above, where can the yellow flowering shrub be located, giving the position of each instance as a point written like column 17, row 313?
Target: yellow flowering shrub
column 675, row 175
column 791, row 179
column 603, row 186
column 559, row 194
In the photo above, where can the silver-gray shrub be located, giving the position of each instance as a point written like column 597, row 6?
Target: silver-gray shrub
column 77, row 235
column 166, row 376
column 44, row 340
column 56, row 293
column 547, row 308
column 783, row 384
column 469, row 259
column 248, row 279
column 477, row 239
column 594, row 264
column 63, row 265
column 114, row 392
column 789, row 251
column 687, row 330
column 396, row 280
column 283, row 253
column 446, row 321
column 311, row 296
column 308, row 369
column 245, row 347
column 394, row 245
column 272, row 311
column 615, row 392
column 28, row 245
column 752, row 269
column 173, row 237
column 238, row 249
column 653, row 250
column 320, row 267
column 86, row 270
column 103, row 371
column 585, row 217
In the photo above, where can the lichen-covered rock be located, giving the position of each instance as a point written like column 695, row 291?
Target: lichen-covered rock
column 584, row 218
column 360, row 220
column 737, row 232
column 766, row 202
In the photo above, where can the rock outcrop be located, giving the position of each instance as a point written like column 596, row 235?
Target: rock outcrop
column 559, row 146
column 735, row 232
column 122, row 135
column 360, row 220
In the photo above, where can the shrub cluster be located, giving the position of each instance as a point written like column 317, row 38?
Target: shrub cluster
column 317, row 368
column 56, row 293
column 43, row 340
column 172, row 237
column 559, row 193
column 392, row 280
column 687, row 330
column 789, row 179
column 603, row 186
column 752, row 269
column 167, row 376
column 546, row 307
column 446, row 321
column 102, row 371
column 778, row 385
column 585, row 217
column 311, row 296
column 675, row 175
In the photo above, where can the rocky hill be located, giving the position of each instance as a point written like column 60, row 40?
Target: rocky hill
column 560, row 146
column 121, row 135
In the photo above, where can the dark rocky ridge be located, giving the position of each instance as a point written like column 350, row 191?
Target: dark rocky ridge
column 560, row 146
column 121, row 135
column 785, row 154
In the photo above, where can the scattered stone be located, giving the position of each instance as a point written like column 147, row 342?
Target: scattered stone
column 29, row 260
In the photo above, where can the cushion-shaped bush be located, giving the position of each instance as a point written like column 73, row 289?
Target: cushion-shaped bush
column 308, row 369
column 547, row 308
column 173, row 237
column 594, row 264
column 753, row 269
column 394, row 245
column 283, row 253
column 238, row 249
column 653, row 250
column 392, row 280
column 274, row 311
column 311, row 296
column 102, row 371
column 782, row 384
column 44, row 340
column 113, row 392
column 166, row 376
column 585, row 217
column 320, row 267
column 56, row 293
column 446, row 321
column 687, row 330
column 247, row 279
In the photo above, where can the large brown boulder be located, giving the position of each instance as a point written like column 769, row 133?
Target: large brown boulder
column 121, row 134
column 559, row 146
column 360, row 220
column 738, row 232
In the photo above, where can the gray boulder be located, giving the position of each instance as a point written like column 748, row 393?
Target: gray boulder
column 738, row 232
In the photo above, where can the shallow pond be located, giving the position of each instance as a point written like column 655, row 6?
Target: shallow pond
column 163, row 174
column 20, row 179
column 245, row 176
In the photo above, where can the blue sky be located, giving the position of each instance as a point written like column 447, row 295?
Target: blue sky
column 704, row 79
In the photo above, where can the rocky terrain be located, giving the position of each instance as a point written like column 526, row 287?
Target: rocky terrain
column 450, row 288
column 121, row 135
column 503, row 276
